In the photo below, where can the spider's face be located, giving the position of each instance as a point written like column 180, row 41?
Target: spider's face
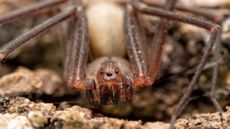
column 109, row 72
column 110, row 81
column 111, row 84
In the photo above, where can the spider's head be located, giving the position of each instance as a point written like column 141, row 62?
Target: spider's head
column 111, row 85
column 111, row 82
column 109, row 73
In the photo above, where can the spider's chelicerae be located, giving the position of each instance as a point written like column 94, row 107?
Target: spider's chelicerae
column 110, row 77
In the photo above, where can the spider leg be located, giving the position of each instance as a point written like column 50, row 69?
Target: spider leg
column 212, row 92
column 214, row 29
column 77, row 52
column 134, row 45
column 6, row 49
column 210, row 26
column 158, row 42
column 30, row 10
column 193, row 10
column 217, row 56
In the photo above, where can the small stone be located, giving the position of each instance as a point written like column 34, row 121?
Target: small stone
column 156, row 125
column 37, row 119
column 22, row 81
column 5, row 118
column 25, row 82
column 20, row 122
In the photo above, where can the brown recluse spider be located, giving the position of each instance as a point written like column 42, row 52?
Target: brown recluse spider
column 111, row 78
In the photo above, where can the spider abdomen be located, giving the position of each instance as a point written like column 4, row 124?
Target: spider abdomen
column 106, row 29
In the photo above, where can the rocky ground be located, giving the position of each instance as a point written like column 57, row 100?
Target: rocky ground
column 21, row 113
column 34, row 95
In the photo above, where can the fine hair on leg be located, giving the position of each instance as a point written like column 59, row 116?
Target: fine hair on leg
column 29, row 11
column 6, row 49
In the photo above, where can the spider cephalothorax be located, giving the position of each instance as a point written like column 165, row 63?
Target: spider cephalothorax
column 110, row 81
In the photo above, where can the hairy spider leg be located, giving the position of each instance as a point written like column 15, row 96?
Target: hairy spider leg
column 215, row 17
column 157, row 44
column 77, row 52
column 213, row 28
column 137, row 54
column 6, row 49
column 30, row 10
column 134, row 46
column 217, row 56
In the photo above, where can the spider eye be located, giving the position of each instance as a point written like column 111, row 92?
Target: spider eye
column 117, row 72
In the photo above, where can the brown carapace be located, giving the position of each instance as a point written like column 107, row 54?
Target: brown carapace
column 110, row 82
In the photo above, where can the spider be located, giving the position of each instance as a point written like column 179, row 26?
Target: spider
column 110, row 78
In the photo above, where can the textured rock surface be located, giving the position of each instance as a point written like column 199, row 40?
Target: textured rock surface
column 24, row 82
column 22, row 113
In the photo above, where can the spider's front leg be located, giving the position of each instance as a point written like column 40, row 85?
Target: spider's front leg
column 77, row 49
column 135, row 49
column 76, row 57
column 145, row 64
